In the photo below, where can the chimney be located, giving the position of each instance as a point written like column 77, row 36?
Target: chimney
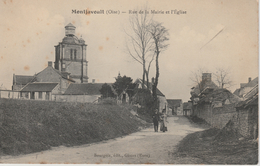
column 50, row 63
column 206, row 76
column 249, row 79
column 93, row 81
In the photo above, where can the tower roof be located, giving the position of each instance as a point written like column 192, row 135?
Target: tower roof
column 70, row 25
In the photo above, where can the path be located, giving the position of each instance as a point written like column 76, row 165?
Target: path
column 145, row 146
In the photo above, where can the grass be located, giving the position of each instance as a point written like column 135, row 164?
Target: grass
column 215, row 146
column 33, row 126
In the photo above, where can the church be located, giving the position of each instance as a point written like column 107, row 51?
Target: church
column 57, row 80
column 71, row 56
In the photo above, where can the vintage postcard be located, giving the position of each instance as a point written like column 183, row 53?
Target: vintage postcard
column 129, row 82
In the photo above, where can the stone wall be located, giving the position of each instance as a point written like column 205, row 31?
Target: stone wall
column 222, row 115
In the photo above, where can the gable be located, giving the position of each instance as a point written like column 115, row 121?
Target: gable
column 50, row 74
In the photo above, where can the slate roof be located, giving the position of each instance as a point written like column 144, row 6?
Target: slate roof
column 21, row 79
column 39, row 87
column 174, row 102
column 84, row 89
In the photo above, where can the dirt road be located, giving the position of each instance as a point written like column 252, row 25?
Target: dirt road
column 145, row 146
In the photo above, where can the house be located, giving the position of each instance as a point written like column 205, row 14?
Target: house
column 246, row 87
column 83, row 93
column 216, row 107
column 19, row 81
column 160, row 96
column 204, row 86
column 48, row 75
column 175, row 106
column 187, row 108
column 39, row 91
column 247, row 114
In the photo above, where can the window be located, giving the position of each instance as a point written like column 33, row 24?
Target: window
column 75, row 54
column 71, row 54
column 40, row 95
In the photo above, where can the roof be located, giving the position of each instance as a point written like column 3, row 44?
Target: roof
column 39, row 87
column 239, row 92
column 84, row 89
column 158, row 92
column 70, row 25
column 187, row 105
column 174, row 102
column 206, row 84
column 22, row 79
column 251, row 100
column 220, row 95
column 62, row 74
column 252, row 83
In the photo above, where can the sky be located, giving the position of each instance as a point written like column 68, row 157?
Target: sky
column 212, row 34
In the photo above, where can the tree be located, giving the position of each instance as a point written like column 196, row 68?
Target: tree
column 223, row 78
column 122, row 83
column 106, row 91
column 160, row 36
column 196, row 78
column 140, row 43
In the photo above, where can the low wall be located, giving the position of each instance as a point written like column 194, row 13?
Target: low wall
column 8, row 94
column 76, row 98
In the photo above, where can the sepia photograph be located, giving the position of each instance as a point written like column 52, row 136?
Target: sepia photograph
column 129, row 82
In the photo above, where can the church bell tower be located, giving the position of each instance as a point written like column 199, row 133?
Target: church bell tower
column 70, row 56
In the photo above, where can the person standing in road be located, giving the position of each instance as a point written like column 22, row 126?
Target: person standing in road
column 156, row 120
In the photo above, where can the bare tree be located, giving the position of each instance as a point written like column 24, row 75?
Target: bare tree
column 196, row 78
column 140, row 43
column 223, row 78
column 160, row 36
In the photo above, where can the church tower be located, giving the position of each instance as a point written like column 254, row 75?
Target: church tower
column 70, row 55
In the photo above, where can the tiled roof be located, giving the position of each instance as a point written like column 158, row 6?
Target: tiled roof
column 39, row 87
column 22, row 79
column 84, row 89
column 174, row 102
